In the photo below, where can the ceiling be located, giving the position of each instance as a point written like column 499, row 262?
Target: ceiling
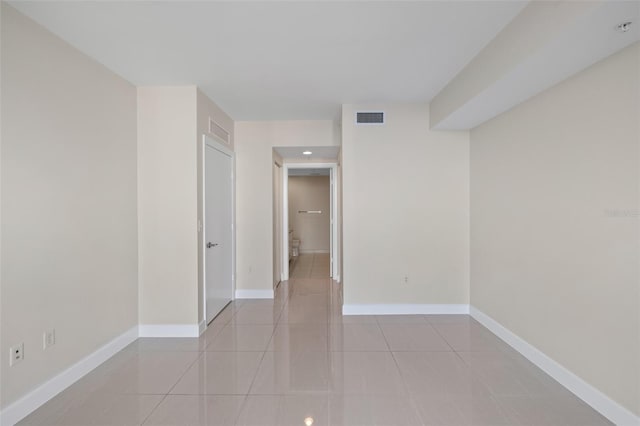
column 282, row 60
column 541, row 47
column 295, row 153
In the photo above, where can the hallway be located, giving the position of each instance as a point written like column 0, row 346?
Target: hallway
column 296, row 360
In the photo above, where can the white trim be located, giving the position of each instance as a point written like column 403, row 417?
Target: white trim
column 43, row 393
column 314, row 251
column 225, row 149
column 403, row 309
column 284, row 227
column 337, row 278
column 202, row 327
column 254, row 294
column 583, row 390
column 169, row 330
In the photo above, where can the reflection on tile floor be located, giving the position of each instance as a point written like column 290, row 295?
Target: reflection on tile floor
column 296, row 358
column 310, row 265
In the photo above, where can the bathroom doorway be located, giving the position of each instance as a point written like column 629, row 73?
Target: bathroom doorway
column 309, row 222
column 309, row 243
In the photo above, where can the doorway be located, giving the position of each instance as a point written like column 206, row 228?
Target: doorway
column 309, row 223
column 218, row 231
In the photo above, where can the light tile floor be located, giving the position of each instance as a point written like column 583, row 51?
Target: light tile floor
column 310, row 265
column 281, row 361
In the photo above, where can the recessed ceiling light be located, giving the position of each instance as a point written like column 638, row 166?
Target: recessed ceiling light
column 307, row 152
column 623, row 27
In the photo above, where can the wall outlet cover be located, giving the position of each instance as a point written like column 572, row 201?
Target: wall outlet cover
column 17, row 354
column 48, row 338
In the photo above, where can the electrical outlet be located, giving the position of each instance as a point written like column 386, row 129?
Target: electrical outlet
column 405, row 280
column 48, row 338
column 17, row 354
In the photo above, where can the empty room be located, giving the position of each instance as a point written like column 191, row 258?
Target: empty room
column 320, row 213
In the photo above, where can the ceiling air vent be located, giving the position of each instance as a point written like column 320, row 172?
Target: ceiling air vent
column 219, row 131
column 370, row 117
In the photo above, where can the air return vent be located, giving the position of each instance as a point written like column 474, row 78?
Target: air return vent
column 219, row 131
column 370, row 117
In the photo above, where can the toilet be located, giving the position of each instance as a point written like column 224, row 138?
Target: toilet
column 295, row 247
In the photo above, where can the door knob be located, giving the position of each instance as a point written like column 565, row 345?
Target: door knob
column 210, row 244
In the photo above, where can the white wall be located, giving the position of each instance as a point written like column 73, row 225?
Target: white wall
column 313, row 230
column 554, row 231
column 254, row 190
column 167, row 205
column 405, row 209
column 69, row 246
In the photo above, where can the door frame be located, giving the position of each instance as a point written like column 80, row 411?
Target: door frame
column 224, row 149
column 277, row 229
column 333, row 219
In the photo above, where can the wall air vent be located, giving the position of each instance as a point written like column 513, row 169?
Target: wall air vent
column 369, row 117
column 219, row 131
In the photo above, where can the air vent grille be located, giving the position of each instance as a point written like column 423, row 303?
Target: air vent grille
column 370, row 117
column 219, row 131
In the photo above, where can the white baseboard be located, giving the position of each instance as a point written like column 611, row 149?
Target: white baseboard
column 404, row 309
column 583, row 390
column 337, row 278
column 254, row 294
column 43, row 393
column 169, row 330
column 310, row 251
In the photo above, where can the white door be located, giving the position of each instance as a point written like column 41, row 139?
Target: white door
column 218, row 231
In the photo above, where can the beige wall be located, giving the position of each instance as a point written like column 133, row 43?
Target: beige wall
column 313, row 230
column 167, row 205
column 405, row 209
column 254, row 190
column 554, row 230
column 69, row 249
column 171, row 123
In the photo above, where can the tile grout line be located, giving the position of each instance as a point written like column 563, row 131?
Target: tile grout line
column 246, row 396
column 264, row 353
column 406, row 386
column 491, row 395
column 442, row 337
column 164, row 397
column 202, row 354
